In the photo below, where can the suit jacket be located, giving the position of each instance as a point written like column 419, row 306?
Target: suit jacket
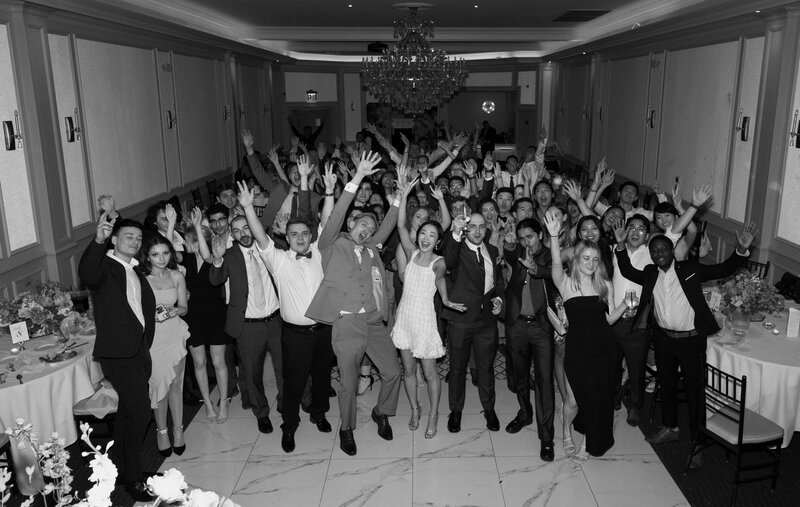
column 119, row 332
column 691, row 274
column 337, row 250
column 465, row 283
column 517, row 283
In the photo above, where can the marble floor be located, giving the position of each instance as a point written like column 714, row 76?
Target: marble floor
column 474, row 467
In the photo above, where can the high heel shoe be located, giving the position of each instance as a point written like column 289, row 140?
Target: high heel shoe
column 413, row 423
column 569, row 446
column 179, row 449
column 166, row 453
column 433, row 420
column 364, row 385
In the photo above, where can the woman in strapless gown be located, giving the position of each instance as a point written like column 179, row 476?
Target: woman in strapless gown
column 168, row 350
column 590, row 347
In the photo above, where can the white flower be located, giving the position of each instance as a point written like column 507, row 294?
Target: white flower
column 29, row 470
column 200, row 498
column 100, row 494
column 169, row 487
column 103, row 469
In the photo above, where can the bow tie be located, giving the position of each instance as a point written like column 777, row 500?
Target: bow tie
column 307, row 255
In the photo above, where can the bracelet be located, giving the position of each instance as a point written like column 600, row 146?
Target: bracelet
column 556, row 236
column 693, row 205
column 594, row 189
column 327, row 194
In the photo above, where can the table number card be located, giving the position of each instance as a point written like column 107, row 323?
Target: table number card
column 19, row 332
column 793, row 324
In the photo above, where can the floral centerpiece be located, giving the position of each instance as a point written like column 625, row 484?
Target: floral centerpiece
column 745, row 292
column 170, row 488
column 43, row 309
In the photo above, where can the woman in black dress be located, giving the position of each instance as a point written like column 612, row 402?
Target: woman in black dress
column 590, row 347
column 206, row 317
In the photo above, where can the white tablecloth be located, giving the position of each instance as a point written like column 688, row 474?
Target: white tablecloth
column 772, row 366
column 48, row 391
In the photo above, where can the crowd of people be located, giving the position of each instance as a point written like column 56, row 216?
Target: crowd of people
column 378, row 259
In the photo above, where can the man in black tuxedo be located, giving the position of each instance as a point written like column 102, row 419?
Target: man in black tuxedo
column 124, row 311
column 529, row 334
column 476, row 280
column 673, row 305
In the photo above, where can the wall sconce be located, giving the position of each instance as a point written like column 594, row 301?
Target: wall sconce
column 13, row 138
column 311, row 96
column 488, row 107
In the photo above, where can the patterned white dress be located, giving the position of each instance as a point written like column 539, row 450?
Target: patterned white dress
column 415, row 328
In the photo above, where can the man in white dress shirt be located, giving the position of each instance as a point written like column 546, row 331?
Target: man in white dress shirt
column 305, row 344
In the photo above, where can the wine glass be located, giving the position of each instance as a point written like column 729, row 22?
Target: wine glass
column 780, row 307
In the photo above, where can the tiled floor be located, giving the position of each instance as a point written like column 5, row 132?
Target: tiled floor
column 473, row 467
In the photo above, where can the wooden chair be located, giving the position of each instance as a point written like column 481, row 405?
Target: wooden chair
column 760, row 269
column 5, row 451
column 197, row 197
column 737, row 429
column 259, row 210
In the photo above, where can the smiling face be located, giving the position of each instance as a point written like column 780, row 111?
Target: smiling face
column 294, row 175
column 419, row 217
column 362, row 228
column 628, row 194
column 574, row 211
column 427, row 238
column 364, row 192
column 127, row 242
column 524, row 210
column 228, row 198
column 299, row 237
column 241, row 232
column 637, row 233
column 476, row 229
column 664, row 220
column 588, row 231
column 159, row 256
column 612, row 215
column 489, row 211
column 587, row 259
column 661, row 252
column 456, row 186
column 218, row 223
column 543, row 196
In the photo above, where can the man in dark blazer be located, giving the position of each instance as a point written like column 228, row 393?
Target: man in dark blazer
column 529, row 334
column 252, row 317
column 124, row 312
column 476, row 280
column 673, row 305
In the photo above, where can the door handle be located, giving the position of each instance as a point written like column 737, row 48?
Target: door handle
column 11, row 135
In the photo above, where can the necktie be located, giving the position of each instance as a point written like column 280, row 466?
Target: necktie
column 358, row 250
column 512, row 181
column 259, row 298
column 481, row 262
column 307, row 255
column 294, row 212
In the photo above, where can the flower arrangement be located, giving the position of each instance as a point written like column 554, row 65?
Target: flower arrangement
column 45, row 308
column 746, row 292
column 170, row 488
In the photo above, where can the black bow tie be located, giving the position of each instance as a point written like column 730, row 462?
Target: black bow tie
column 307, row 255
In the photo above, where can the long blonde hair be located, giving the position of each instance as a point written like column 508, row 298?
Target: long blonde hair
column 600, row 275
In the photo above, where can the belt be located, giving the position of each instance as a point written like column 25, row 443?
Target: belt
column 313, row 327
column 528, row 318
column 680, row 334
column 261, row 319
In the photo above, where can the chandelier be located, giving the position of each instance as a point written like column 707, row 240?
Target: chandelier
column 413, row 76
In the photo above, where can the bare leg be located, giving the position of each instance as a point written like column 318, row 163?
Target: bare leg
column 410, row 383
column 162, row 437
column 175, row 399
column 221, row 370
column 200, row 373
column 569, row 408
column 434, row 393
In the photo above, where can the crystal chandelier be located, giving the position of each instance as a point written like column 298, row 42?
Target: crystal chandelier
column 413, row 76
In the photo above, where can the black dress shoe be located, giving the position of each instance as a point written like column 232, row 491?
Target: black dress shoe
column 633, row 418
column 517, row 424
column 696, row 461
column 287, row 441
column 454, row 422
column 384, row 430
column 546, row 452
column 322, row 424
column 138, row 491
column 347, row 442
column 665, row 435
column 264, row 425
column 492, row 423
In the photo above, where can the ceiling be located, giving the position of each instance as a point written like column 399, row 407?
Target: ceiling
column 339, row 30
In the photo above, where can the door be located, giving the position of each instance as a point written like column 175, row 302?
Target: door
column 313, row 117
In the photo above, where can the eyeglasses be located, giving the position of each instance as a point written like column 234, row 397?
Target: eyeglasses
column 637, row 228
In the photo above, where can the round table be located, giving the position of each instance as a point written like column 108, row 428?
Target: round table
column 772, row 366
column 48, row 391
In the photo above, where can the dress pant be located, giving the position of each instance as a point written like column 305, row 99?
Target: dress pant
column 480, row 338
column 130, row 377
column 354, row 335
column 633, row 346
column 532, row 343
column 688, row 354
column 306, row 350
column 256, row 340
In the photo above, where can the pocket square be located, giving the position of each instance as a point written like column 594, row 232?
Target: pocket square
column 685, row 279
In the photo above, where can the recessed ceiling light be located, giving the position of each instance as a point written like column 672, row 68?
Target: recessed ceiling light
column 758, row 12
column 584, row 52
column 349, row 5
column 476, row 6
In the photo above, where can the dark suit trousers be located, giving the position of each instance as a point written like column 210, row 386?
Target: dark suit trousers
column 633, row 347
column 305, row 352
column 130, row 377
column 256, row 339
column 481, row 340
column 690, row 355
column 529, row 342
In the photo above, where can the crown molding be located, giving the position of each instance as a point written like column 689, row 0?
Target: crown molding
column 382, row 33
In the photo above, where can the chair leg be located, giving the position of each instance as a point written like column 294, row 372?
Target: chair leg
column 695, row 446
column 774, row 482
column 736, row 476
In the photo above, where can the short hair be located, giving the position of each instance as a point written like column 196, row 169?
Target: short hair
column 362, row 214
column 612, row 208
column 512, row 157
column 659, row 237
column 459, row 178
column 151, row 240
column 215, row 208
column 507, row 190
column 298, row 220
column 544, row 182
column 515, row 206
column 126, row 222
column 529, row 223
column 487, row 200
column 229, row 186
column 665, row 207
column 630, row 183
column 641, row 218
column 152, row 214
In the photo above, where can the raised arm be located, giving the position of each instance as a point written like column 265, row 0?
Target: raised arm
column 699, row 197
column 444, row 209
column 402, row 230
column 553, row 226
column 256, row 228
column 440, row 269
column 330, row 184
column 623, row 260
column 573, row 190
column 396, row 158
column 202, row 246
column 89, row 266
column 744, row 239
column 172, row 219
column 452, row 243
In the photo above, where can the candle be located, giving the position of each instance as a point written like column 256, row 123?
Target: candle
column 15, row 350
column 776, row 331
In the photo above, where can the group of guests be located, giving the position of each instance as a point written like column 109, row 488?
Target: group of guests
column 364, row 256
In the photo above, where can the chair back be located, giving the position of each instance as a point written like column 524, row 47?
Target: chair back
column 259, row 210
column 760, row 269
column 725, row 395
column 197, row 197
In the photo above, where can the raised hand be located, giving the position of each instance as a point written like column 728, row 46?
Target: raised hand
column 303, row 148
column 303, row 167
column 608, row 176
column 460, row 140
column 329, row 178
column 552, row 223
column 746, row 237
column 197, row 218
column 620, row 233
column 171, row 214
column 218, row 247
column 105, row 227
column 437, row 194
column 405, row 140
column 705, row 246
column 280, row 222
column 106, row 203
column 367, row 163
column 247, row 139
column 470, row 167
column 272, row 154
column 370, row 127
column 573, row 190
column 699, row 197
column 245, row 194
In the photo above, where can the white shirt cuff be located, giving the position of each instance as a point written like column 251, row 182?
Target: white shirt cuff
column 351, row 187
column 218, row 264
column 456, row 235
